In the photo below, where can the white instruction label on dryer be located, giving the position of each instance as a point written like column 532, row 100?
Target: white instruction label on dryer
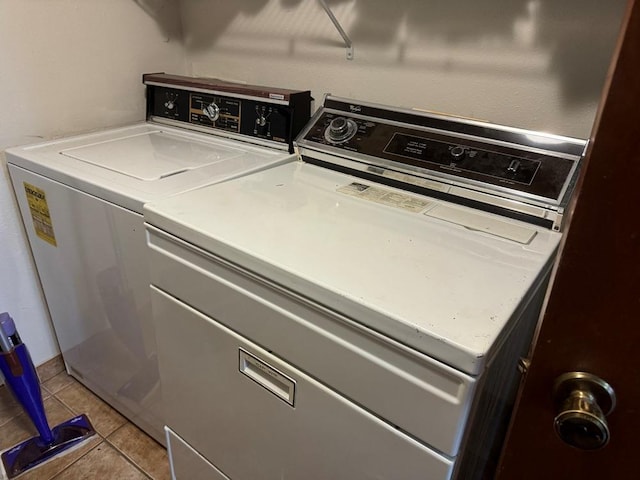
column 385, row 197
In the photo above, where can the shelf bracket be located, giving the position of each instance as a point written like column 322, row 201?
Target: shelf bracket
column 347, row 41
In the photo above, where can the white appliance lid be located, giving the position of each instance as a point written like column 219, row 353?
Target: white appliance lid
column 153, row 155
column 139, row 163
column 443, row 288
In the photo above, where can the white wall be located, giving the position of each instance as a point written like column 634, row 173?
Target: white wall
column 537, row 64
column 68, row 66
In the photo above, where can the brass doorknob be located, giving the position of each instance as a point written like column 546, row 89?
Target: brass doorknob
column 582, row 402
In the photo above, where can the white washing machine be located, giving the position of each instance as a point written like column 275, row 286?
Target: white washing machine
column 81, row 201
column 360, row 313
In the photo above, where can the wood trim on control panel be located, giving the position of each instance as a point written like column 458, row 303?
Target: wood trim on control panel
column 220, row 86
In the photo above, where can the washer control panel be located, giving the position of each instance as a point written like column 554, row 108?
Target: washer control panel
column 253, row 112
column 229, row 114
column 527, row 164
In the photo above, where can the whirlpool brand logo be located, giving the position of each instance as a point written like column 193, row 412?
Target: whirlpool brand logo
column 355, row 108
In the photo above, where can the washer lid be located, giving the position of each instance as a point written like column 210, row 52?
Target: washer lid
column 132, row 165
column 151, row 155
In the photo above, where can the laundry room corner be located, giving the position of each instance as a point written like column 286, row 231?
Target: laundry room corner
column 317, row 239
column 67, row 67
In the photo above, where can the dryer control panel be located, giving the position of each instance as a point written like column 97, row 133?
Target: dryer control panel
column 247, row 112
column 464, row 158
column 487, row 165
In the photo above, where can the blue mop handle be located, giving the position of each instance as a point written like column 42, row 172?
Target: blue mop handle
column 20, row 376
column 5, row 341
column 8, row 327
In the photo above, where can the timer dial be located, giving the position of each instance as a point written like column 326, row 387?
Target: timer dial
column 340, row 130
column 212, row 112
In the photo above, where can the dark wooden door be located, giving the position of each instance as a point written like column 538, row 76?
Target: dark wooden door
column 592, row 318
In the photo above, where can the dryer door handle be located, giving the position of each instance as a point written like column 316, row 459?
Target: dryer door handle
column 267, row 376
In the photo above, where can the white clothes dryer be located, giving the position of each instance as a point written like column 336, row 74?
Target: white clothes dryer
column 359, row 313
column 81, row 201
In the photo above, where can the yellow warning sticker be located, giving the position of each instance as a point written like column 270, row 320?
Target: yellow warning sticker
column 40, row 213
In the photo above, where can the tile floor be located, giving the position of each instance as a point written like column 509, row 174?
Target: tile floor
column 119, row 450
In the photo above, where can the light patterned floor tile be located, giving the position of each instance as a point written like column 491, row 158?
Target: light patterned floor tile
column 9, row 408
column 50, row 368
column 103, row 462
column 142, row 450
column 58, row 382
column 80, row 400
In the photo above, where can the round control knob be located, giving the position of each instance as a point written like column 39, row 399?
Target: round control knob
column 261, row 121
column 457, row 152
column 583, row 401
column 338, row 127
column 340, row 130
column 212, row 112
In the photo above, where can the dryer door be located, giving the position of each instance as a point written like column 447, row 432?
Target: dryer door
column 253, row 415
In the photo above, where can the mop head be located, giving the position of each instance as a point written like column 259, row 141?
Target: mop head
column 34, row 451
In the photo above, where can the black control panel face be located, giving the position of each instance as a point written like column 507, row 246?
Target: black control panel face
column 502, row 166
column 242, row 116
column 421, row 151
